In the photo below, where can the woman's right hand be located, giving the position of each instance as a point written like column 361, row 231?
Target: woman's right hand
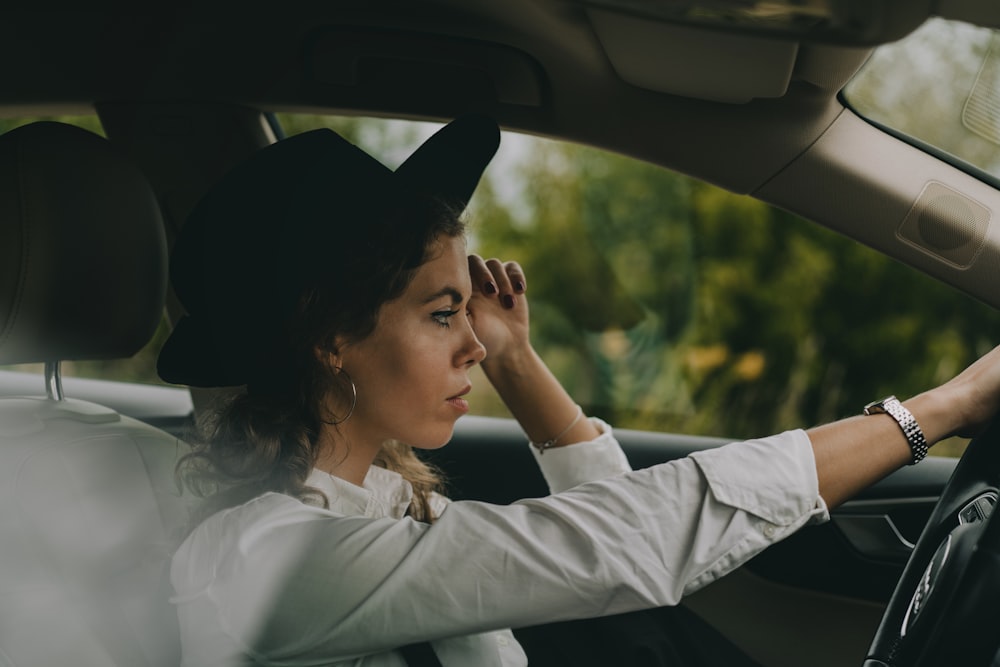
column 973, row 396
column 499, row 312
column 854, row 453
column 499, row 309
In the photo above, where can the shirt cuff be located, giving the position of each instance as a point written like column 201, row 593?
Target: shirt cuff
column 572, row 465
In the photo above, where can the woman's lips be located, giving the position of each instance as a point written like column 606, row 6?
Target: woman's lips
column 458, row 402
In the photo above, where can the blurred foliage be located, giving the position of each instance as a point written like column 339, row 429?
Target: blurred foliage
column 664, row 303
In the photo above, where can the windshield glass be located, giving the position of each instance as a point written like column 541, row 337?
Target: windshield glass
column 940, row 86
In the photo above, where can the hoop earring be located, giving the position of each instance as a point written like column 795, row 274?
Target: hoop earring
column 354, row 398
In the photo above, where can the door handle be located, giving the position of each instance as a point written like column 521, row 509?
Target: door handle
column 874, row 535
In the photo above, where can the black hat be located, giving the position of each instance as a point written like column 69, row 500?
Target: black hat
column 269, row 228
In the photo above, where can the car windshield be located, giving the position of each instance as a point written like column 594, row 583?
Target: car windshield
column 939, row 86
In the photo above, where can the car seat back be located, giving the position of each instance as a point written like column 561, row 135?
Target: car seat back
column 89, row 511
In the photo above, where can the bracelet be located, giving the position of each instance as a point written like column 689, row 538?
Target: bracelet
column 542, row 446
column 891, row 406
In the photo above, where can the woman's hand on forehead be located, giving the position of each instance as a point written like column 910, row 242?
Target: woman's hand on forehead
column 499, row 315
column 499, row 307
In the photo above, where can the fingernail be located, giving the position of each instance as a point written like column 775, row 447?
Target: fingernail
column 508, row 301
column 518, row 286
column 489, row 288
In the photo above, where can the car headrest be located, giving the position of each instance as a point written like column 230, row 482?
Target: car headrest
column 83, row 259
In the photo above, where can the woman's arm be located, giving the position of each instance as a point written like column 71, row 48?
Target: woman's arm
column 853, row 453
column 277, row 579
column 527, row 387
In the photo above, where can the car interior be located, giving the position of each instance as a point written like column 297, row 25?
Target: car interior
column 747, row 96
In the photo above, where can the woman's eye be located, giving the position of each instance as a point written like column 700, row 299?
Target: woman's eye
column 442, row 316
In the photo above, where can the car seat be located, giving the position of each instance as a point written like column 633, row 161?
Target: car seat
column 89, row 510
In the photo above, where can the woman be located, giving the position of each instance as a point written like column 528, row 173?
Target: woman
column 340, row 294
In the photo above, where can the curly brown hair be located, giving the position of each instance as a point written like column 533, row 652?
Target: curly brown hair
column 266, row 437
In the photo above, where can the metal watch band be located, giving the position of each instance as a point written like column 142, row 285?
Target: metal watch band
column 891, row 406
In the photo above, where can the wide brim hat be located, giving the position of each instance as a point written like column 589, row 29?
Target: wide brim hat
column 275, row 224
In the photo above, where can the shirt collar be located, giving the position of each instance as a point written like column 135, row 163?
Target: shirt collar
column 384, row 494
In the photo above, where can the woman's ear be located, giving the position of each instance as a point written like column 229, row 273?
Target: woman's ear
column 327, row 356
column 330, row 353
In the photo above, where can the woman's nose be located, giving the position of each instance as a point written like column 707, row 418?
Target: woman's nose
column 473, row 351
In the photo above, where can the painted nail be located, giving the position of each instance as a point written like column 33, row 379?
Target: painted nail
column 489, row 288
column 508, row 301
column 518, row 286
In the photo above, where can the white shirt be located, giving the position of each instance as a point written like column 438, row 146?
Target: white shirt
column 285, row 583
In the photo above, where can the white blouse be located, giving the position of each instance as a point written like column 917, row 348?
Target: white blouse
column 276, row 581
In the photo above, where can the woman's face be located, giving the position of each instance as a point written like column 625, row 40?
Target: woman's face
column 413, row 370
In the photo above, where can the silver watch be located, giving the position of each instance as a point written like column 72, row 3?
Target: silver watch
column 891, row 406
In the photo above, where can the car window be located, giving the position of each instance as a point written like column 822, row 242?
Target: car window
column 667, row 304
column 939, row 86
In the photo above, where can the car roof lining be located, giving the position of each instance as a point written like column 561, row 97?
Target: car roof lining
column 885, row 193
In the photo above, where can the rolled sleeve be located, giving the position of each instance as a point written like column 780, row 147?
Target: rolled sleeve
column 758, row 492
column 774, row 478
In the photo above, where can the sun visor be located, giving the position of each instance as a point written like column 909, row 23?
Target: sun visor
column 703, row 64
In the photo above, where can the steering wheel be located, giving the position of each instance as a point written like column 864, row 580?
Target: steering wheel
column 944, row 608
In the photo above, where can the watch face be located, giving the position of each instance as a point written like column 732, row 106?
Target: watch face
column 875, row 407
column 878, row 407
column 891, row 406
